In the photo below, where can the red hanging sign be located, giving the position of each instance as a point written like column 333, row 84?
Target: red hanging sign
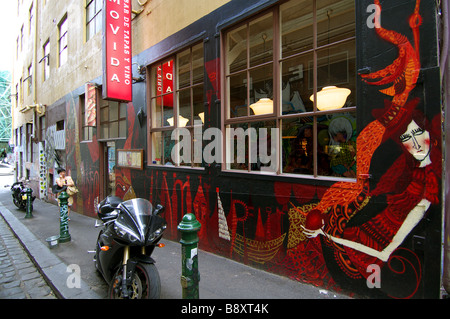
column 164, row 82
column 117, row 73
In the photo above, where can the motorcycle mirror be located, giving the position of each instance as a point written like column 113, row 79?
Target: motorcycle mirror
column 159, row 209
column 97, row 224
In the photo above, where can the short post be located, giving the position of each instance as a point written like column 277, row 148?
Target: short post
column 64, row 235
column 190, row 276
column 29, row 207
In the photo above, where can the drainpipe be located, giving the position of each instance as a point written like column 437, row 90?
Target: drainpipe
column 34, row 78
column 445, row 72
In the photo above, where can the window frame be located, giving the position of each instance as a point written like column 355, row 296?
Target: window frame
column 86, row 132
column 30, row 18
column 176, row 107
column 63, row 36
column 277, row 115
column 106, row 104
column 46, row 60
column 29, row 79
column 98, row 25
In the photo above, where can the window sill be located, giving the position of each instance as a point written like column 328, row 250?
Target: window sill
column 112, row 139
column 175, row 168
column 286, row 177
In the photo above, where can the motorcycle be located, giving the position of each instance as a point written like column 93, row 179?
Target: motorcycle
column 131, row 231
column 19, row 195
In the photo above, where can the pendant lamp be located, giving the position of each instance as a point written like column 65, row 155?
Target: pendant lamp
column 263, row 106
column 331, row 98
column 182, row 121
column 202, row 116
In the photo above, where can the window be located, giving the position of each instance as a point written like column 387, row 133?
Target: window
column 20, row 92
column 62, row 41
column 60, row 125
column 46, row 60
column 17, row 95
column 43, row 129
column 87, row 132
column 177, row 102
column 113, row 122
column 93, row 17
column 30, row 19
column 20, row 137
column 21, row 38
column 29, row 143
column 29, row 79
column 276, row 66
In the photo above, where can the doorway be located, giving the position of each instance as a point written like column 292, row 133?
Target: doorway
column 108, row 161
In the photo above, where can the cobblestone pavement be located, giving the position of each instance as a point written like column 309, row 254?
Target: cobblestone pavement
column 19, row 278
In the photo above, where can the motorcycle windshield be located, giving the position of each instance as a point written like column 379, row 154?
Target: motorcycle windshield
column 140, row 210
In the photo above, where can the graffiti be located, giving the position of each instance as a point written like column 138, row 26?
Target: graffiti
column 352, row 235
column 91, row 104
column 257, row 251
column 82, row 161
column 55, row 140
column 410, row 185
column 42, row 172
column 64, row 219
column 223, row 225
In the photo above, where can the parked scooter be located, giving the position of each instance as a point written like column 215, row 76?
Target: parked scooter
column 131, row 231
column 19, row 195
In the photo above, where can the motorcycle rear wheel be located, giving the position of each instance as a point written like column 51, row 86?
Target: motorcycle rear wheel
column 145, row 284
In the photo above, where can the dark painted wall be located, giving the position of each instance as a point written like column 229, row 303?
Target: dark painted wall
column 264, row 215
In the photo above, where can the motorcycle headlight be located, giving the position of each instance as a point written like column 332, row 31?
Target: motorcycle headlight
column 126, row 232
column 157, row 233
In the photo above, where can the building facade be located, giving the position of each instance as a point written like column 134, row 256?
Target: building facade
column 305, row 135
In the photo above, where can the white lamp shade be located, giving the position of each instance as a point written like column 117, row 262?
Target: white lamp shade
column 182, row 121
column 202, row 116
column 263, row 106
column 331, row 98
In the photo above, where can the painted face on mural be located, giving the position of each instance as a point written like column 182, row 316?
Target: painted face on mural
column 416, row 140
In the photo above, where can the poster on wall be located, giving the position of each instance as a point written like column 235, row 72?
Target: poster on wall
column 91, row 105
column 117, row 73
column 130, row 159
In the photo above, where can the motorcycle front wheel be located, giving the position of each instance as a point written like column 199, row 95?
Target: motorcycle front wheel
column 145, row 283
column 16, row 202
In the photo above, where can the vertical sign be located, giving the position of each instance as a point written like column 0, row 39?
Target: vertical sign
column 90, row 112
column 164, row 82
column 167, row 85
column 117, row 74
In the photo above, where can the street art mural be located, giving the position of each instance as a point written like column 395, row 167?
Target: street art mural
column 42, row 172
column 82, row 162
column 354, row 234
column 347, row 237
column 364, row 237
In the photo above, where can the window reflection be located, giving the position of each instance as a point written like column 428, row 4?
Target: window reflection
column 336, row 146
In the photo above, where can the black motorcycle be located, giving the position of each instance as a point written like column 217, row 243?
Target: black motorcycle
column 19, row 195
column 131, row 231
